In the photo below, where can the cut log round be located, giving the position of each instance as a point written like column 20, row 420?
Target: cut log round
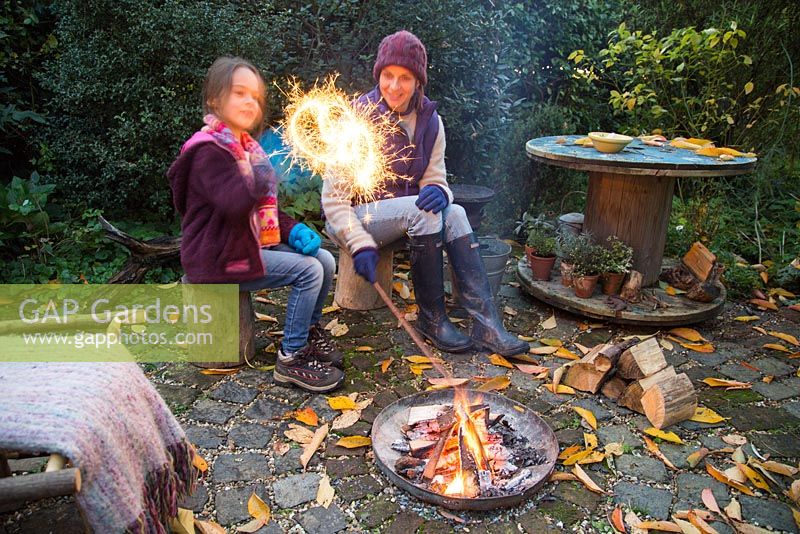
column 608, row 355
column 641, row 360
column 583, row 375
column 631, row 398
column 353, row 292
column 633, row 285
column 40, row 485
column 614, row 388
column 671, row 401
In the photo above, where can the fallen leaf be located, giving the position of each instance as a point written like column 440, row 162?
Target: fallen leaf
column 258, row 509
column 209, row 527
column 183, row 523
column 697, row 347
column 616, row 520
column 706, row 415
column 754, row 478
column 729, row 384
column 328, row 309
column 307, row 415
column 567, row 354
column 776, row 346
column 562, row 389
column 551, row 342
column 385, row 364
column 449, row 382
column 666, row 344
column 764, row 304
column 325, row 492
column 299, row 434
column 418, row 359
column 417, row 368
column 694, row 458
column 332, row 323
column 401, row 276
column 253, row 526
column 496, row 383
column 531, row 369
column 550, row 323
column 341, row 403
column 454, row 517
column 584, row 350
column 509, row 310
column 686, row 527
column 710, row 501
column 199, row 462
column 569, row 451
column 525, row 338
column 587, row 415
column 586, row 480
column 664, row 526
column 768, row 379
column 354, row 442
column 734, row 510
column 592, row 458
column 281, row 447
column 689, row 334
column 734, row 439
column 615, row 448
column 402, row 290
column 700, row 523
column 497, row 359
column 231, row 371
column 575, row 458
column 589, row 441
column 776, row 467
column 346, row 419
column 560, row 475
column 746, row 318
column 719, row 475
column 794, row 491
column 633, row 522
column 746, row 528
column 760, row 330
column 265, row 317
column 652, row 446
column 312, row 446
column 364, row 348
column 735, row 475
column 542, row 350
column 666, row 436
column 796, row 515
column 339, row 330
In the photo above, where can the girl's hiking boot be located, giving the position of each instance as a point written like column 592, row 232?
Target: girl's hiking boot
column 303, row 369
column 325, row 348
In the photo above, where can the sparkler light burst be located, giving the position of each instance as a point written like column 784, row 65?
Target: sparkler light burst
column 331, row 137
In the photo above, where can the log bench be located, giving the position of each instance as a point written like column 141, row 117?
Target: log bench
column 56, row 481
column 353, row 292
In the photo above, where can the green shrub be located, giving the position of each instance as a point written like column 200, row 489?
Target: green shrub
column 542, row 241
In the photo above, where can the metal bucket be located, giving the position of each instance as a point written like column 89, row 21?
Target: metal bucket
column 494, row 254
column 571, row 223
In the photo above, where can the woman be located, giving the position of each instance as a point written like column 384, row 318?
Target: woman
column 419, row 205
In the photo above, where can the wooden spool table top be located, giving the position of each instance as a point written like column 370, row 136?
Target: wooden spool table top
column 636, row 158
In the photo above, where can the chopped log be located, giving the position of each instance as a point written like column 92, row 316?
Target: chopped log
column 670, row 401
column 433, row 461
column 641, row 360
column 609, row 355
column 699, row 260
column 709, row 290
column 583, row 375
column 632, row 287
column 614, row 387
column 631, row 398
column 426, row 412
column 40, row 485
column 420, row 447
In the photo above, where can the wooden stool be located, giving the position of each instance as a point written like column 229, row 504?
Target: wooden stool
column 247, row 333
column 355, row 293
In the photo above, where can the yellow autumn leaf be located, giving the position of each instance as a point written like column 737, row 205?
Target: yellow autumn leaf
column 569, row 451
column 706, row 415
column 497, row 359
column 200, row 463
column 587, row 415
column 577, row 457
column 694, row 458
column 754, row 478
column 776, row 346
column 566, row 354
column 672, row 437
column 385, row 364
column 587, row 481
column 665, row 526
column 418, row 359
column 257, row 508
column 525, row 338
column 307, row 415
column 543, row 350
column 764, row 304
column 496, row 383
column 724, row 383
column 230, row 371
column 689, row 334
column 364, row 348
column 589, row 441
column 562, row 389
column 341, row 403
column 354, row 442
column 746, row 318
column 402, row 290
column 786, row 337
column 593, row 458
column 652, row 446
column 551, row 342
column 720, row 476
column 328, row 309
column 697, row 347
column 748, row 88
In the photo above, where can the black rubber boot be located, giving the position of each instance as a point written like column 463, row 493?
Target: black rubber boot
column 427, row 273
column 488, row 331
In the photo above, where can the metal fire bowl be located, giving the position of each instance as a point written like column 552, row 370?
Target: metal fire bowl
column 387, row 428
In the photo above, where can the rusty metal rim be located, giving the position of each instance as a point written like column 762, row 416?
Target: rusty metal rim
column 526, row 421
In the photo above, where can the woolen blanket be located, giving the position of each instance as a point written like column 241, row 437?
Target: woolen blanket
column 111, row 423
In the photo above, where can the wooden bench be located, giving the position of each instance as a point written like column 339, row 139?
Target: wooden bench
column 353, row 292
column 56, row 481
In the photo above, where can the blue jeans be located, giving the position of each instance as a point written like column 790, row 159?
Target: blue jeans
column 310, row 278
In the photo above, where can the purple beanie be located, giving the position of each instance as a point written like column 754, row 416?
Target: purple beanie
column 404, row 49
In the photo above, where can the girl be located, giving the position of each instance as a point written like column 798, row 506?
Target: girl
column 226, row 192
column 419, row 205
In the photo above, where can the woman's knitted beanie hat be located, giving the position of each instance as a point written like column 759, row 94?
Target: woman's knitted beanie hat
column 406, row 50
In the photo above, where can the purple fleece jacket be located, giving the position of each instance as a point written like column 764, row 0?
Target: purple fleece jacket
column 219, row 221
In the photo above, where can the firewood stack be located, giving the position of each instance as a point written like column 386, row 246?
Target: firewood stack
column 698, row 274
column 636, row 375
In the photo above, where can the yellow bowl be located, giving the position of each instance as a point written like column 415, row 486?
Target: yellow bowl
column 610, row 143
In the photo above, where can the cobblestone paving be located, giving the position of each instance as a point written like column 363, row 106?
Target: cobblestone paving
column 236, row 420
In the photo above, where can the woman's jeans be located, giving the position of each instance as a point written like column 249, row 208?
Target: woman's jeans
column 310, row 278
column 390, row 219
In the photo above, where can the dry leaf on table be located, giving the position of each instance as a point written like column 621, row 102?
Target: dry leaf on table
column 312, row 446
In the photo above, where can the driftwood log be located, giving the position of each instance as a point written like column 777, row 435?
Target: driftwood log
column 144, row 254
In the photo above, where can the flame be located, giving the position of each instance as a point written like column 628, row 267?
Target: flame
column 329, row 136
column 457, row 486
column 467, row 425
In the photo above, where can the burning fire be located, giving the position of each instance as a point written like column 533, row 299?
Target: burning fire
column 328, row 135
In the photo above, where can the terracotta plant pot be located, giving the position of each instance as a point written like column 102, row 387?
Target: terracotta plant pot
column 540, row 266
column 584, row 285
column 566, row 273
column 612, row 282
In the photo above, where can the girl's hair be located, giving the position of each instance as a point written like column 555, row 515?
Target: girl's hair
column 217, row 86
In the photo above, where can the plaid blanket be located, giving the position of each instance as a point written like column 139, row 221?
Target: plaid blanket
column 111, row 423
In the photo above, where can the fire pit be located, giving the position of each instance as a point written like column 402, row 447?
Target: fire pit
column 425, row 444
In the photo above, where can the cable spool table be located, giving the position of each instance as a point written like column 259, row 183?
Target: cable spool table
column 630, row 196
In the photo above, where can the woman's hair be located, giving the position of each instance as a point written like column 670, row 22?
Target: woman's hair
column 217, row 86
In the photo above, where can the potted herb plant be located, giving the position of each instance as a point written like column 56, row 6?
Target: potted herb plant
column 569, row 247
column 617, row 258
column 540, row 249
column 586, row 272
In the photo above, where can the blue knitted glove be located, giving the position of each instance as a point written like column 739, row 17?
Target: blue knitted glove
column 432, row 198
column 304, row 240
column 365, row 262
